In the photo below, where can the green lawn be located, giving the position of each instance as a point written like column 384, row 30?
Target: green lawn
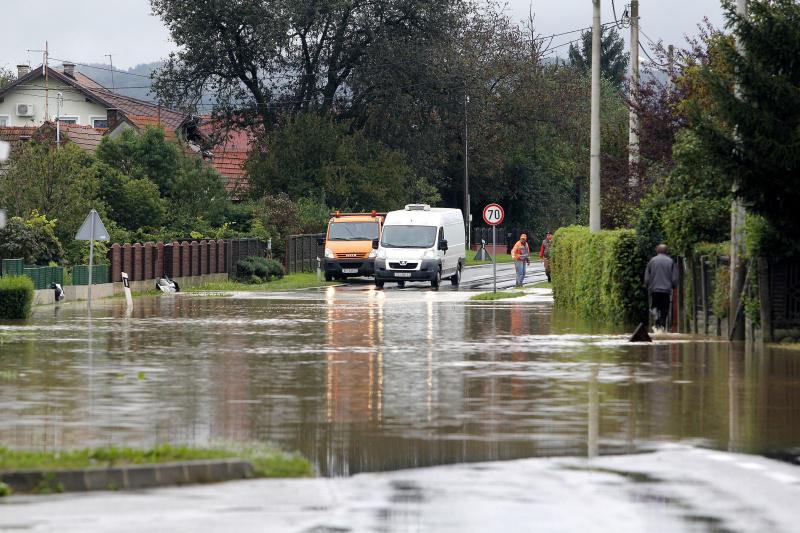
column 267, row 462
column 543, row 285
column 501, row 258
column 499, row 295
column 287, row 283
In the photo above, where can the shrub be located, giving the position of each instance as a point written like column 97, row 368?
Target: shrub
column 258, row 270
column 33, row 239
column 16, row 297
column 599, row 275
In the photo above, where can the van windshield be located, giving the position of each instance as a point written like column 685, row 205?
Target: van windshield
column 353, row 231
column 408, row 236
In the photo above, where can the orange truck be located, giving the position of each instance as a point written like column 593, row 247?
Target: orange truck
column 348, row 244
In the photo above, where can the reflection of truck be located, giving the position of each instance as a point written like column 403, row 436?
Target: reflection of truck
column 348, row 244
column 421, row 243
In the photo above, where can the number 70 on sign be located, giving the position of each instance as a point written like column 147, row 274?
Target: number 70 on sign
column 493, row 214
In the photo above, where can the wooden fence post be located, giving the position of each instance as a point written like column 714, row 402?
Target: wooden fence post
column 765, row 303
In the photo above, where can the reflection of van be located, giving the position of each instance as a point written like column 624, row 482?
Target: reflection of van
column 421, row 243
column 348, row 244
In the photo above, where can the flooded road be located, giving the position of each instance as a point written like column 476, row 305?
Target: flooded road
column 364, row 380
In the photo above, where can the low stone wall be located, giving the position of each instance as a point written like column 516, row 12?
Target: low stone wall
column 100, row 291
column 128, row 477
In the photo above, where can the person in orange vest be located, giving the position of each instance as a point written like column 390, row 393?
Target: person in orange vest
column 521, row 253
column 544, row 253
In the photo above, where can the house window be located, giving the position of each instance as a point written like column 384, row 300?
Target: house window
column 68, row 120
column 4, row 120
column 99, row 122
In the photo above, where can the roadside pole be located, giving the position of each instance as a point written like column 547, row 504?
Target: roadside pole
column 92, row 229
column 493, row 215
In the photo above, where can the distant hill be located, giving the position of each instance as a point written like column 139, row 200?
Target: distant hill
column 134, row 82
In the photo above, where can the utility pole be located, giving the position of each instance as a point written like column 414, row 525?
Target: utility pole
column 633, row 122
column 594, row 149
column 111, row 62
column 466, row 171
column 670, row 67
column 45, row 68
column 737, row 235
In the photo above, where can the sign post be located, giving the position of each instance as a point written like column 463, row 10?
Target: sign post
column 493, row 215
column 91, row 230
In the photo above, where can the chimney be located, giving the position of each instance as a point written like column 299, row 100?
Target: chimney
column 69, row 69
column 112, row 118
column 23, row 70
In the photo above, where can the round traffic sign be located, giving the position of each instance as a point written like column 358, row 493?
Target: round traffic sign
column 493, row 214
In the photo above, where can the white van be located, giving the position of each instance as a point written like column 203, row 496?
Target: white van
column 421, row 243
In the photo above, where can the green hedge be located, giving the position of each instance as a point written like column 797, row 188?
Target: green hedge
column 599, row 275
column 258, row 270
column 16, row 297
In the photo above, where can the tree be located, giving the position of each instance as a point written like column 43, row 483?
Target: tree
column 258, row 56
column 6, row 77
column 613, row 59
column 56, row 183
column 198, row 193
column 132, row 202
column 33, row 240
column 752, row 133
column 142, row 155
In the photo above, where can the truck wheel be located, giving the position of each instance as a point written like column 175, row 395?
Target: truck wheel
column 378, row 284
column 455, row 279
column 328, row 276
column 435, row 282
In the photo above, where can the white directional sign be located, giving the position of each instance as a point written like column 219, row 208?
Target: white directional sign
column 92, row 229
column 493, row 214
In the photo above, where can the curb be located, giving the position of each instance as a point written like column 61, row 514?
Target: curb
column 127, row 477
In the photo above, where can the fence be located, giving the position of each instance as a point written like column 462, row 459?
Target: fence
column 302, row 252
column 241, row 248
column 702, row 281
column 11, row 267
column 506, row 237
column 44, row 277
column 80, row 274
column 779, row 297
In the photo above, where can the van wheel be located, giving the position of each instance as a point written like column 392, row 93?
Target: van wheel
column 401, row 284
column 435, row 282
column 378, row 284
column 455, row 279
column 328, row 276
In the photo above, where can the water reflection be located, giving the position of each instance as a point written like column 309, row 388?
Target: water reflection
column 374, row 380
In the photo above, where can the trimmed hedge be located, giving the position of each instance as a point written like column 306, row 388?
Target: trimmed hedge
column 16, row 297
column 599, row 275
column 258, row 270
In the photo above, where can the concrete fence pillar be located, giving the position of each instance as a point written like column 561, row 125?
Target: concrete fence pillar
column 194, row 246
column 221, row 252
column 115, row 258
column 212, row 257
column 127, row 258
column 138, row 261
column 176, row 260
column 186, row 259
column 204, row 257
column 149, row 249
column 158, row 264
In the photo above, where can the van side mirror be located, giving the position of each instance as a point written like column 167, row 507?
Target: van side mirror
column 443, row 245
column 374, row 244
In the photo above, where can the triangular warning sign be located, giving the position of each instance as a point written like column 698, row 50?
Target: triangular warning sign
column 92, row 229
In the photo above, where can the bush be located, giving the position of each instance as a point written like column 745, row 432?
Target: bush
column 599, row 275
column 258, row 270
column 34, row 240
column 16, row 297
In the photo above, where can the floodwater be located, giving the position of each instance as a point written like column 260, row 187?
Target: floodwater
column 365, row 380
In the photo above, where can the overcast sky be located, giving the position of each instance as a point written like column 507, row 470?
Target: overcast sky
column 86, row 30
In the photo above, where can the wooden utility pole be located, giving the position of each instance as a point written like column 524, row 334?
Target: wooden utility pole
column 738, row 268
column 466, row 170
column 46, row 81
column 594, row 149
column 633, row 122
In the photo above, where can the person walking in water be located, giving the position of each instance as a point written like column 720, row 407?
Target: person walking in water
column 544, row 253
column 521, row 253
column 660, row 277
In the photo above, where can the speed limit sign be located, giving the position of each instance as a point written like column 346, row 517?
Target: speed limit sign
column 493, row 214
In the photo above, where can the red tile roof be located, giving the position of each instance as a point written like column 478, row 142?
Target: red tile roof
column 85, row 137
column 14, row 135
column 229, row 155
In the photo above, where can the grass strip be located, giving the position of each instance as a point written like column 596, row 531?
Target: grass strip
column 266, row 461
column 289, row 282
column 501, row 258
column 499, row 295
column 542, row 285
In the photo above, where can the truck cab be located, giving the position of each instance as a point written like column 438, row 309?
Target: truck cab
column 348, row 244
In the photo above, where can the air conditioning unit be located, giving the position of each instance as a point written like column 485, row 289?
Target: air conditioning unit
column 24, row 110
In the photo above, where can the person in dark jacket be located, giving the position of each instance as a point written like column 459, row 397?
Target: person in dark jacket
column 660, row 277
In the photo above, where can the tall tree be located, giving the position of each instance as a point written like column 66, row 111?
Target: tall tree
column 260, row 56
column 613, row 59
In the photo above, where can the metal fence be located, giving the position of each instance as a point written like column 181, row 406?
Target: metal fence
column 237, row 249
column 80, row 274
column 302, row 252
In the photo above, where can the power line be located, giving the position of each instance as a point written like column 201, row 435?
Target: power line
column 101, row 68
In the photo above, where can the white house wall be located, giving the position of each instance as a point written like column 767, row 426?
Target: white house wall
column 32, row 92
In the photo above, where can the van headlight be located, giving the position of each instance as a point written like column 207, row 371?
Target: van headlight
column 430, row 254
column 329, row 254
column 381, row 253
